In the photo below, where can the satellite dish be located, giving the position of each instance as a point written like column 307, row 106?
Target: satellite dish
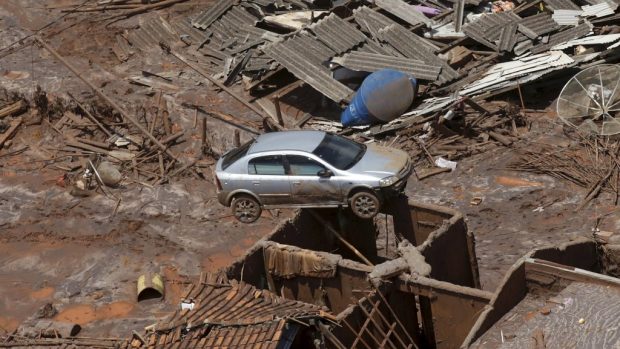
column 590, row 100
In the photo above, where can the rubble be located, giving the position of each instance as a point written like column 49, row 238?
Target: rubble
column 179, row 82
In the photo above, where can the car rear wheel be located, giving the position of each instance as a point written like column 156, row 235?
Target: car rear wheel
column 365, row 204
column 246, row 209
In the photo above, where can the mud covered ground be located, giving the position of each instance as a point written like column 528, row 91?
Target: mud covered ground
column 83, row 256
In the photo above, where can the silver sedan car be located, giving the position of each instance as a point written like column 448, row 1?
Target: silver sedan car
column 309, row 169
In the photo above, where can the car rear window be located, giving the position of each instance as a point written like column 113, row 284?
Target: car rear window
column 266, row 165
column 236, row 154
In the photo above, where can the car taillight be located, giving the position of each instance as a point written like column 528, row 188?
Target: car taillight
column 217, row 183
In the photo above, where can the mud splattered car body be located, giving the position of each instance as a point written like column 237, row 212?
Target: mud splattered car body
column 309, row 169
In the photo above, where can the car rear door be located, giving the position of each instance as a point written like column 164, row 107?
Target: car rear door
column 307, row 187
column 267, row 178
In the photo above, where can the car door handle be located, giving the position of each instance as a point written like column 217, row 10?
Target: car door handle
column 297, row 183
column 256, row 182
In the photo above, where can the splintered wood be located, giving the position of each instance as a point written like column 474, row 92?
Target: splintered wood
column 593, row 164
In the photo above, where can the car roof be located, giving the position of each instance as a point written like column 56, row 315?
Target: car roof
column 287, row 140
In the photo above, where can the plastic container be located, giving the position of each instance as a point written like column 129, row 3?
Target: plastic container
column 383, row 96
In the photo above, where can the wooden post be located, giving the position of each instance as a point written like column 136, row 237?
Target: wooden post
column 236, row 138
column 203, row 134
column 276, row 103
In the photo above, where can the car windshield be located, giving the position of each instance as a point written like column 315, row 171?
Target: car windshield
column 235, row 154
column 340, row 152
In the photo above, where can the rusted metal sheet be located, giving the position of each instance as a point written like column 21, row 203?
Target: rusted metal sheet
column 337, row 33
column 404, row 11
column 304, row 68
column 372, row 62
column 205, row 19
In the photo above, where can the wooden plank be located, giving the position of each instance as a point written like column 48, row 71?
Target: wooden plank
column 10, row 132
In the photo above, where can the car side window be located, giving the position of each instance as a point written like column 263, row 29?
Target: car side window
column 266, row 165
column 303, row 166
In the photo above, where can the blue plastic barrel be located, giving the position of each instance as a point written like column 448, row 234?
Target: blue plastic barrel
column 383, row 96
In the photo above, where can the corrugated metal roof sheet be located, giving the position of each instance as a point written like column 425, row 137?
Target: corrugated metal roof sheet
column 561, row 5
column 298, row 63
column 599, row 10
column 204, row 20
column 539, row 24
column 372, row 62
column 337, row 33
column 151, row 33
column 508, row 37
column 370, row 21
column 566, row 17
column 563, row 36
column 487, row 28
column 412, row 46
column 590, row 40
column 404, row 11
column 522, row 69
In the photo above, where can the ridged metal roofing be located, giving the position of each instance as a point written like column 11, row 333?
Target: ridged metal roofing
column 404, row 11
column 539, row 24
column 487, row 28
column 561, row 5
column 151, row 33
column 371, row 62
column 563, row 36
column 299, row 64
column 337, row 33
column 412, row 46
column 370, row 21
column 205, row 19
column 508, row 37
column 184, row 27
column 314, row 50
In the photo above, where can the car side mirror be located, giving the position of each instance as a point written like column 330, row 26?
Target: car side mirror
column 325, row 173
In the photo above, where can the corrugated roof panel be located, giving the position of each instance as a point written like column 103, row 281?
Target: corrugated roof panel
column 404, row 11
column 151, row 33
column 372, row 62
column 336, row 33
column 508, row 37
column 563, row 36
column 487, row 28
column 561, row 5
column 205, row 19
column 412, row 46
column 539, row 24
column 315, row 75
column 599, row 10
column 566, row 17
column 233, row 314
column 370, row 21
column 314, row 50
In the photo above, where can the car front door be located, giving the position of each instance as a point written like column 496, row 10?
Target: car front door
column 307, row 187
column 267, row 179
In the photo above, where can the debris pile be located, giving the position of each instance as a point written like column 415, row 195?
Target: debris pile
column 468, row 52
column 589, row 163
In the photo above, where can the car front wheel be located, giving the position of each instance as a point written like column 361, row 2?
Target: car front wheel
column 246, row 209
column 365, row 204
